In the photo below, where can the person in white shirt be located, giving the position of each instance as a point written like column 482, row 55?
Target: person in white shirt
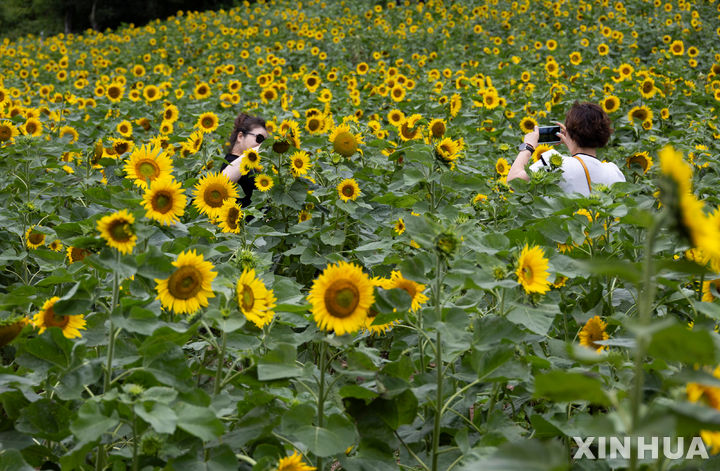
column 586, row 128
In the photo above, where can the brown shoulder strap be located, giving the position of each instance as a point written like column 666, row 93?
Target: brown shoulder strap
column 587, row 174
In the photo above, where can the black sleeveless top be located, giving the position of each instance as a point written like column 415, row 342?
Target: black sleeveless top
column 246, row 182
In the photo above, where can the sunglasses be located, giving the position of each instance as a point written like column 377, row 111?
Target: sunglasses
column 258, row 137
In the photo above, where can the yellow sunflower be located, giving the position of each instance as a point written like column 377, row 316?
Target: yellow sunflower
column 230, row 216
column 344, row 141
column 527, row 124
column 341, row 297
column 540, row 150
column 437, row 128
column 250, row 161
column 377, row 329
column 151, row 93
column 202, row 91
column 124, row 128
column 189, row 286
column 710, row 395
column 395, row 117
column 399, row 226
column 121, row 146
column 640, row 113
column 674, row 166
column 532, row 270
column 610, row 104
column 171, row 113
column 211, row 192
column 593, row 331
column 304, row 215
column 56, row 245
column 255, row 301
column 32, row 127
column 117, row 229
column 165, row 200
column 642, row 159
column 293, row 462
column 263, row 182
column 8, row 131
column 300, row 163
column 348, row 189
column 502, row 166
column 70, row 325
column 207, row 122
column 707, row 294
column 408, row 130
column 11, row 328
column 415, row 290
column 148, row 163
column 34, row 238
column 76, row 254
column 447, row 149
column 69, row 131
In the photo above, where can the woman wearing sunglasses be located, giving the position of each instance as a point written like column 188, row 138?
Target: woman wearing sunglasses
column 249, row 132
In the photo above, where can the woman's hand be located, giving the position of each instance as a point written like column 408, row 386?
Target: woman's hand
column 564, row 138
column 532, row 137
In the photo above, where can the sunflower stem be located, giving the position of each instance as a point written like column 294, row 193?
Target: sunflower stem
column 111, row 350
column 321, row 395
column 221, row 360
column 438, row 366
column 702, row 282
column 645, row 302
column 111, row 340
column 135, row 443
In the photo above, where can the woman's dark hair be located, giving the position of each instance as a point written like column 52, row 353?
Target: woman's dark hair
column 588, row 125
column 244, row 123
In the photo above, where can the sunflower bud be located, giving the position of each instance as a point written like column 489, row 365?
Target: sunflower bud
column 151, row 444
column 247, row 259
column 133, row 389
column 447, row 244
column 556, row 161
column 499, row 272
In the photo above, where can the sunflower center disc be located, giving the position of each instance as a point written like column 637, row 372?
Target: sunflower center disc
column 248, row 298
column 214, row 197
column 527, row 273
column 298, row 163
column 162, row 202
column 36, row 238
column 4, row 133
column 120, row 231
column 341, row 298
column 52, row 321
column 314, row 124
column 207, row 123
column 348, row 191
column 147, row 169
column 185, row 282
column 232, row 219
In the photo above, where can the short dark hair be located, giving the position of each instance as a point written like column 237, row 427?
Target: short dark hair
column 588, row 125
column 244, row 123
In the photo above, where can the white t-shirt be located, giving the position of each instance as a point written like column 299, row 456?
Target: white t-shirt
column 574, row 180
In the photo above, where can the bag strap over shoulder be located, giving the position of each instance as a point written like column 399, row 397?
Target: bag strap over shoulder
column 587, row 174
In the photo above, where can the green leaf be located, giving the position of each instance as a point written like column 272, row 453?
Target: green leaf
column 335, row 437
column 521, row 455
column 678, row 343
column 562, row 386
column 12, row 460
column 198, row 421
column 91, row 423
column 161, row 417
column 279, row 363
column 45, row 418
column 51, row 347
column 535, row 319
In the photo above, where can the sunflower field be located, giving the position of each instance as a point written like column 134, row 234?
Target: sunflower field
column 387, row 301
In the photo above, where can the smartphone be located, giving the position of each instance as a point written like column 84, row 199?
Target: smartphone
column 548, row 134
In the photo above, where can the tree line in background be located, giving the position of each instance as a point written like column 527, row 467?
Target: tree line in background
column 49, row 17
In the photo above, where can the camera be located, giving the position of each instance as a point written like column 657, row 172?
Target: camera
column 548, row 135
